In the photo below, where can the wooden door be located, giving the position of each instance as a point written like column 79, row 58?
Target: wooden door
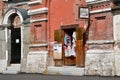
column 80, row 56
column 58, row 38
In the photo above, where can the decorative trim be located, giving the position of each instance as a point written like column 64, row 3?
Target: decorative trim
column 100, row 42
column 38, row 11
column 38, row 45
column 35, row 2
column 100, row 10
column 38, row 20
column 37, row 52
column 89, row 2
column 99, row 51
column 17, row 4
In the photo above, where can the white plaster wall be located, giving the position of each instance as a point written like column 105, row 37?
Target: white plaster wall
column 117, row 64
column 116, row 29
column 99, row 64
column 3, row 62
column 37, row 61
column 116, row 32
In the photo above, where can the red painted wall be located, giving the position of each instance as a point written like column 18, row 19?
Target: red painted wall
column 101, row 26
column 39, row 29
column 64, row 12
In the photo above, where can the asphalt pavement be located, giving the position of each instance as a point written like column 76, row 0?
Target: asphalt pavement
column 52, row 77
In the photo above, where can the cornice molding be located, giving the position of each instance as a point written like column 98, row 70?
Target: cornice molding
column 91, row 2
column 100, row 10
column 35, row 2
column 38, row 20
column 38, row 11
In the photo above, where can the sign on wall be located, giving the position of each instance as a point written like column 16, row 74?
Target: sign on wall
column 83, row 12
column 57, row 51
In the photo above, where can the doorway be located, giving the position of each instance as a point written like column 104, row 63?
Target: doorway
column 71, row 38
column 15, row 45
column 70, row 46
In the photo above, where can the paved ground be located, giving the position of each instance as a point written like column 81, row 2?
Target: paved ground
column 52, row 77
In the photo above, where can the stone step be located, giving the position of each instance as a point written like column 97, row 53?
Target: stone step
column 13, row 68
column 10, row 72
column 15, row 65
column 66, row 70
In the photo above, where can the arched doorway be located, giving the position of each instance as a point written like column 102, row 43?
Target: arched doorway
column 14, row 34
column 15, row 38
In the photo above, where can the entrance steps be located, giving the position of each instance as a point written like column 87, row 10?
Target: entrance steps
column 12, row 69
column 66, row 70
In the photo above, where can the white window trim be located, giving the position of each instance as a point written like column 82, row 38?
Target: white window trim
column 100, row 10
column 95, row 1
column 35, row 2
column 38, row 11
column 39, row 20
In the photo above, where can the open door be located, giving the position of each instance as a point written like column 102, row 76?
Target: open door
column 58, row 37
column 80, row 55
column 15, row 45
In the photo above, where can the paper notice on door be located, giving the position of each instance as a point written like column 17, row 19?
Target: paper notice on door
column 57, row 51
column 17, row 41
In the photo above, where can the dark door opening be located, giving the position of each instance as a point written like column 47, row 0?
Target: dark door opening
column 70, row 46
column 15, row 45
column 72, row 40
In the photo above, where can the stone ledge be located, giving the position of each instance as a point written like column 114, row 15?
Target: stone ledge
column 35, row 2
column 99, row 51
column 38, row 11
column 37, row 52
column 90, row 42
column 39, row 20
column 100, row 10
column 38, row 45
column 90, row 2
column 66, row 70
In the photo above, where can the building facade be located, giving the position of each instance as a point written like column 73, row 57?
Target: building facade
column 14, row 33
column 103, row 39
column 66, row 37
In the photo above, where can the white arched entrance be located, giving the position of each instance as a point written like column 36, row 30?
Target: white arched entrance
column 7, row 20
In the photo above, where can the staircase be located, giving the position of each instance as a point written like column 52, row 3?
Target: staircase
column 12, row 69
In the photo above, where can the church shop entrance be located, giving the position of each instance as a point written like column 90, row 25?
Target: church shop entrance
column 71, row 38
column 70, row 46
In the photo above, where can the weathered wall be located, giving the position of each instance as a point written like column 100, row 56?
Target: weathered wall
column 100, row 58
column 2, row 51
column 116, row 24
column 101, row 26
column 37, row 56
column 100, row 63
column 26, row 43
